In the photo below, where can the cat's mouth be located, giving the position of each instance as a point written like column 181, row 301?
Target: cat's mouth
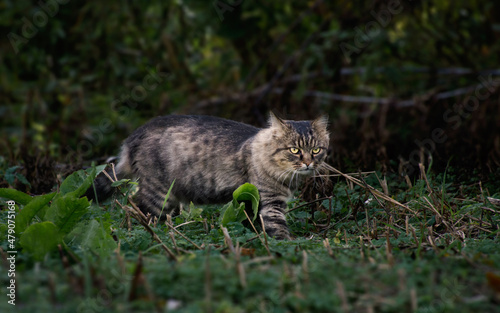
column 305, row 171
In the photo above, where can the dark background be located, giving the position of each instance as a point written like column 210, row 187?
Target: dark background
column 398, row 79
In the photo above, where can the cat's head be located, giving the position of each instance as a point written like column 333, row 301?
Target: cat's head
column 298, row 147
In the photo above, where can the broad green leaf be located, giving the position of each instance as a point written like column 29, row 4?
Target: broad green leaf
column 234, row 210
column 78, row 182
column 73, row 182
column 32, row 209
column 40, row 238
column 99, row 169
column 93, row 236
column 65, row 212
column 15, row 195
column 248, row 192
column 233, row 214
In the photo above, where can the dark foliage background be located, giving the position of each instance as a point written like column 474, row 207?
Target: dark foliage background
column 403, row 82
column 397, row 78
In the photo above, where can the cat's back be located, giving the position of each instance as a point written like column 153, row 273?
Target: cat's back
column 201, row 129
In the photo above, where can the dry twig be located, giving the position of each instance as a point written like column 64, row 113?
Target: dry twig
column 374, row 191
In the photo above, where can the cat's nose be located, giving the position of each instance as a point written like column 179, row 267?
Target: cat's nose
column 307, row 160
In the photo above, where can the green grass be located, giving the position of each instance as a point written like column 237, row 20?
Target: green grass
column 442, row 254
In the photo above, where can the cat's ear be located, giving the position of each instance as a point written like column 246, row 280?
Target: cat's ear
column 276, row 122
column 321, row 123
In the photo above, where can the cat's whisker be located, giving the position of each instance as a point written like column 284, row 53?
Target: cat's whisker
column 291, row 179
column 279, row 177
column 296, row 174
column 285, row 176
column 297, row 181
column 285, row 173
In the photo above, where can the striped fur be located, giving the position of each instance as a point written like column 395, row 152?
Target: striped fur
column 210, row 157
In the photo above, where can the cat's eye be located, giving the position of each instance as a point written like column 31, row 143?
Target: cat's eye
column 294, row 150
column 316, row 150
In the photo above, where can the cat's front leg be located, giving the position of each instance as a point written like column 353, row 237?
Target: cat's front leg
column 272, row 209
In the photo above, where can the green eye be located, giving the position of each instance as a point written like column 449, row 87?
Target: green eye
column 294, row 150
column 316, row 150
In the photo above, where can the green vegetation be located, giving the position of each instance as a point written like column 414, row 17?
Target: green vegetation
column 234, row 211
column 440, row 254
column 411, row 89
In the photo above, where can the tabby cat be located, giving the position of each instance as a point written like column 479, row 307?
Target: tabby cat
column 210, row 157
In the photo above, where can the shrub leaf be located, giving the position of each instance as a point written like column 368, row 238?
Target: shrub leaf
column 65, row 212
column 40, row 238
column 15, row 195
column 35, row 207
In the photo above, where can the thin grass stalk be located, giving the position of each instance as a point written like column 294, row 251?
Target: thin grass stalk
column 182, row 235
column 258, row 235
